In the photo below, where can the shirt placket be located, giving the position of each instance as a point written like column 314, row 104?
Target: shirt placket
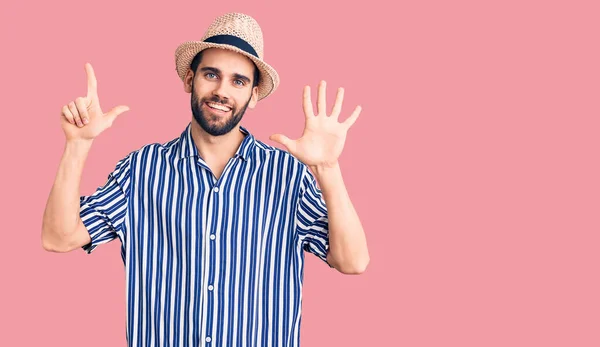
column 213, row 201
column 214, row 205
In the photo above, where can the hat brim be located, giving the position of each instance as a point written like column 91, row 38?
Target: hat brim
column 185, row 53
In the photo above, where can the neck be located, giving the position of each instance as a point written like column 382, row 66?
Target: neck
column 219, row 148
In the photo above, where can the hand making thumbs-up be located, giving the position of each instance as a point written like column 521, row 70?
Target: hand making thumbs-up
column 83, row 118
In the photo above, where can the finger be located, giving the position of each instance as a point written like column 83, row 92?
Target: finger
column 75, row 113
column 337, row 107
column 307, row 103
column 67, row 114
column 348, row 122
column 322, row 98
column 82, row 108
column 284, row 140
column 92, row 84
column 112, row 114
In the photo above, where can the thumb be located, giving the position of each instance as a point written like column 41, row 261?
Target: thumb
column 112, row 114
column 284, row 140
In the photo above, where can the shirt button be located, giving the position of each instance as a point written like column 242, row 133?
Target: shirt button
column 212, row 236
column 216, row 189
column 208, row 339
column 211, row 287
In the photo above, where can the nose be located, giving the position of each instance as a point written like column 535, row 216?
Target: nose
column 221, row 91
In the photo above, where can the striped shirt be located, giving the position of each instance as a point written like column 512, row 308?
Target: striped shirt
column 210, row 262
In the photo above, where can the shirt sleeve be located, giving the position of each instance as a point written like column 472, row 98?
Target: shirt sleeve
column 103, row 213
column 312, row 223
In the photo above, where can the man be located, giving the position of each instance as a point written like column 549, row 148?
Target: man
column 214, row 223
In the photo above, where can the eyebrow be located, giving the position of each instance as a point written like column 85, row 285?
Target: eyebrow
column 218, row 72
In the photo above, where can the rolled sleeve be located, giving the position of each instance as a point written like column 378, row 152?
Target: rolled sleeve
column 103, row 213
column 312, row 223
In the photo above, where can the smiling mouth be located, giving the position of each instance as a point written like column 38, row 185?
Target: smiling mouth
column 218, row 108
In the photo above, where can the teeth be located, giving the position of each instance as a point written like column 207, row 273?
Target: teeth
column 219, row 107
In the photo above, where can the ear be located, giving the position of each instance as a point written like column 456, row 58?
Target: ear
column 254, row 98
column 188, row 80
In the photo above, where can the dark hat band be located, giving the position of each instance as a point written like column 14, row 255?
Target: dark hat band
column 233, row 41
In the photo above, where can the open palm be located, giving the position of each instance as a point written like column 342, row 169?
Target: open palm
column 323, row 139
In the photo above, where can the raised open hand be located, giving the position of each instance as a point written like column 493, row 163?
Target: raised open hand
column 323, row 139
column 83, row 118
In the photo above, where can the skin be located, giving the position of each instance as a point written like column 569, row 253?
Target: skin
column 224, row 77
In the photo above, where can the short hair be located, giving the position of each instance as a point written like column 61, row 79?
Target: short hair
column 198, row 58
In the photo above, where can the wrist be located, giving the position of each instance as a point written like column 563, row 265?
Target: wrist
column 327, row 175
column 78, row 146
column 325, row 168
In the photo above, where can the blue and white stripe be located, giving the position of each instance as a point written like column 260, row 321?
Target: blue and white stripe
column 210, row 262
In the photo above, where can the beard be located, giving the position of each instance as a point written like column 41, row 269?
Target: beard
column 211, row 123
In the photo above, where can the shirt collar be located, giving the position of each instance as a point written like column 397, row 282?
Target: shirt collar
column 188, row 147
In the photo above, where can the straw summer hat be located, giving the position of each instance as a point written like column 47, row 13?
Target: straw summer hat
column 236, row 32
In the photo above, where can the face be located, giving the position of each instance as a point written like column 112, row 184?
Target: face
column 221, row 90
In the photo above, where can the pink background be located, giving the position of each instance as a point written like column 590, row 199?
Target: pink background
column 474, row 164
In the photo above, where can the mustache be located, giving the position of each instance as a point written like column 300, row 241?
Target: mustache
column 215, row 99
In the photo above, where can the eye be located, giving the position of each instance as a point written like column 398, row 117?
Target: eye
column 210, row 75
column 239, row 82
